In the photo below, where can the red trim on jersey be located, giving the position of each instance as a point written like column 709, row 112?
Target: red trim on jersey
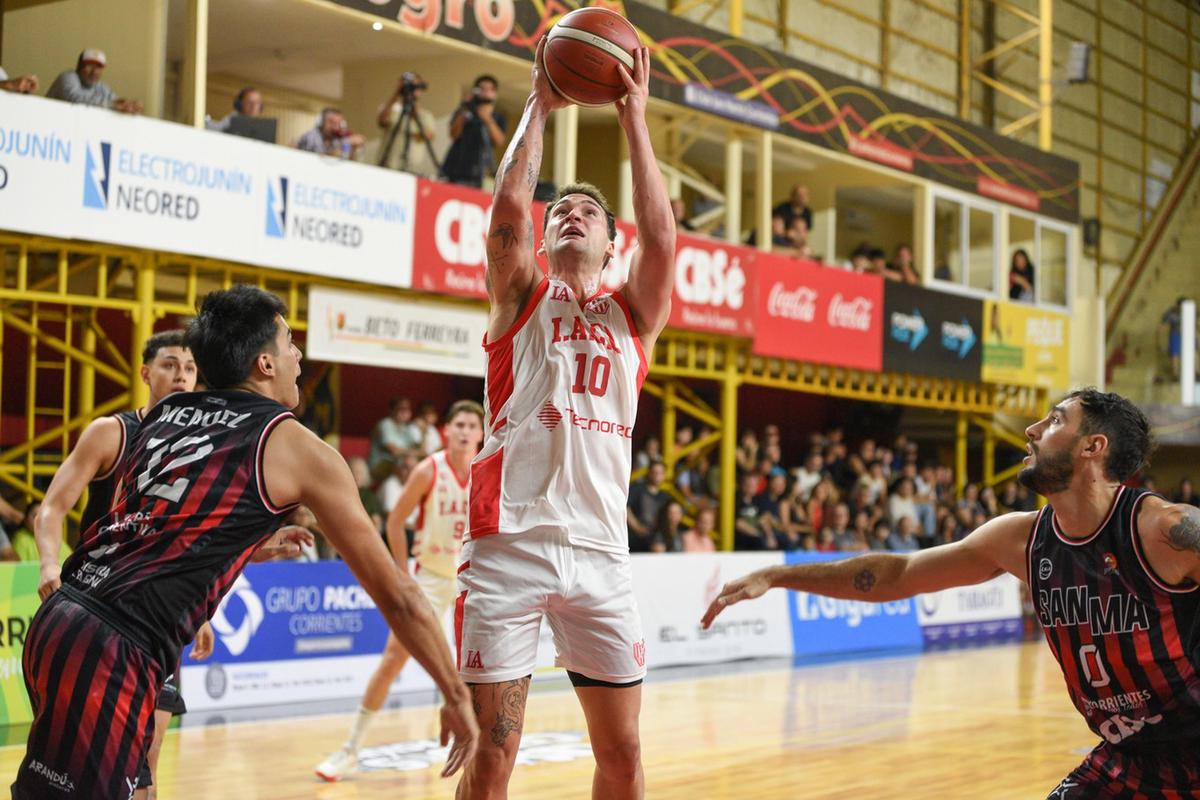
column 120, row 450
column 459, row 605
column 463, row 483
column 1029, row 548
column 643, row 365
column 1076, row 542
column 526, row 313
column 258, row 464
column 425, row 498
column 1136, row 536
column 484, row 514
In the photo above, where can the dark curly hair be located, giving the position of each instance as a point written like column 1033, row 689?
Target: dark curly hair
column 1127, row 429
column 231, row 328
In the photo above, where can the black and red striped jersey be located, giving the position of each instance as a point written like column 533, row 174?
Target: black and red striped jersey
column 1126, row 640
column 100, row 490
column 189, row 508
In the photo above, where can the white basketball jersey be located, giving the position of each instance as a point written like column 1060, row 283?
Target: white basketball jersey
column 442, row 520
column 561, row 397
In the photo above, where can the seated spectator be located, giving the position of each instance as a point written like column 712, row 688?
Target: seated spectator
column 880, row 535
column 747, row 451
column 651, row 451
column 668, row 529
column 784, row 214
column 362, row 479
column 904, row 537
column 690, row 478
column 827, row 541
column 390, row 487
column 83, row 85
column 775, row 510
column 947, row 531
column 807, row 476
column 864, row 521
column 751, row 531
column 1020, row 278
column 873, row 478
column 394, row 436
column 700, row 538
column 987, row 500
column 430, row 431
column 860, row 259
column 879, row 265
column 902, row 263
column 646, row 501
column 903, row 503
column 823, row 494
column 22, row 84
column 1015, row 497
column 247, row 103
column 845, row 537
column 1186, row 494
column 331, row 137
column 679, row 211
column 861, row 502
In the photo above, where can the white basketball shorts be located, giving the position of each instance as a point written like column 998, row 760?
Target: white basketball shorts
column 439, row 590
column 508, row 582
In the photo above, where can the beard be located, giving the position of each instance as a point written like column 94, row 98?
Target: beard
column 1049, row 474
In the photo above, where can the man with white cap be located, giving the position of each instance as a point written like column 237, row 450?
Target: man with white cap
column 83, row 85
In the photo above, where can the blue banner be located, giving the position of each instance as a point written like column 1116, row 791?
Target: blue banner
column 824, row 626
column 283, row 610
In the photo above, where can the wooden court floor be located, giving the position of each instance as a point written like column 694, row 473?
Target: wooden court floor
column 990, row 722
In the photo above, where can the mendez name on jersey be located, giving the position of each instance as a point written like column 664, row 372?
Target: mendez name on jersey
column 190, row 508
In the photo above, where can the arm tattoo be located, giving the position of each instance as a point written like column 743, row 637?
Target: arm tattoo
column 864, row 581
column 1185, row 535
column 505, row 233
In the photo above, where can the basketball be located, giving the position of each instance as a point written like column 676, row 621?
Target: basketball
column 583, row 52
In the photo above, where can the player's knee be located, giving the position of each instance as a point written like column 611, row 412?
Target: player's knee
column 619, row 758
column 491, row 767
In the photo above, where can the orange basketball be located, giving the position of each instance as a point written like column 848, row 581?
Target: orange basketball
column 583, row 52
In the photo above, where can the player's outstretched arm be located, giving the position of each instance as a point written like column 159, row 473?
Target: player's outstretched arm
column 299, row 467
column 652, row 268
column 512, row 271
column 419, row 484
column 996, row 546
column 94, row 454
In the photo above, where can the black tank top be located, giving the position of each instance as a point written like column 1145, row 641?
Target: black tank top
column 188, row 510
column 1127, row 641
column 100, row 490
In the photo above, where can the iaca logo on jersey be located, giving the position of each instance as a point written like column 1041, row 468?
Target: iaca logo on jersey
column 236, row 638
column 96, row 175
column 277, row 209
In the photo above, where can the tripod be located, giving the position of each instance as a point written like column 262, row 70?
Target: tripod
column 404, row 124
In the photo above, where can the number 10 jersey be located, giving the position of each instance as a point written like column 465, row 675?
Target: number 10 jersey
column 561, row 398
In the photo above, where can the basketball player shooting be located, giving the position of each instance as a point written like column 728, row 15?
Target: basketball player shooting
column 438, row 486
column 1114, row 573
column 547, row 530
column 208, row 477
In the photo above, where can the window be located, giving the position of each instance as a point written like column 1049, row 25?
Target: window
column 964, row 244
column 1048, row 246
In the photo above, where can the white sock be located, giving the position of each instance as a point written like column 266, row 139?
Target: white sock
column 362, row 721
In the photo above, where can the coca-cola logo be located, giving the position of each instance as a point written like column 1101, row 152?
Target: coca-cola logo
column 711, row 278
column 853, row 314
column 799, row 304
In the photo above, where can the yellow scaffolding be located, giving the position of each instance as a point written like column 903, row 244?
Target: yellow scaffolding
column 54, row 292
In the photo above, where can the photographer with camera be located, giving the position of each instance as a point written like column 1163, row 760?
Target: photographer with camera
column 331, row 136
column 408, row 129
column 477, row 128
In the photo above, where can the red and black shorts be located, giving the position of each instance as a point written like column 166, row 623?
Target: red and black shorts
column 93, row 694
column 1113, row 773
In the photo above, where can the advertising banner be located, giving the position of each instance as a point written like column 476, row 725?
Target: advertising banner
column 674, row 590
column 356, row 328
column 1025, row 345
column 18, row 603
column 78, row 172
column 824, row 315
column 824, row 626
column 990, row 610
column 931, row 333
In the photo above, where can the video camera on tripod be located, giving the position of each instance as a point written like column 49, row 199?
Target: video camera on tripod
column 410, row 84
